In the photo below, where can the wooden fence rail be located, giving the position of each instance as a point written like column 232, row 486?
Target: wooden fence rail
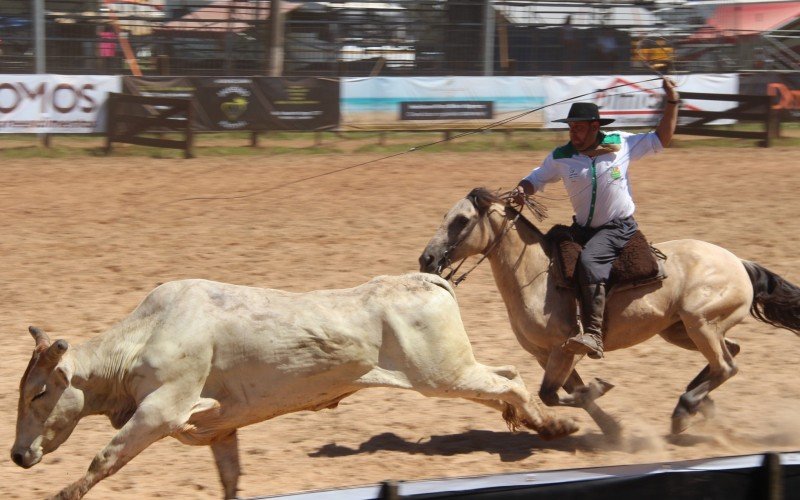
column 751, row 108
column 161, row 113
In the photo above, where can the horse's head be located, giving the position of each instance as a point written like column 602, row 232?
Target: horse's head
column 49, row 406
column 463, row 232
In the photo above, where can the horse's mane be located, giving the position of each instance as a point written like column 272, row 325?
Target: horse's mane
column 483, row 198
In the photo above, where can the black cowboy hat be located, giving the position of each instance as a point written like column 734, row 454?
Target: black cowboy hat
column 584, row 112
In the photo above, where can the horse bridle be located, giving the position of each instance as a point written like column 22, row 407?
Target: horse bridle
column 446, row 261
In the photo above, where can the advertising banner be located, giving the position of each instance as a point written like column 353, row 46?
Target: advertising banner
column 54, row 104
column 637, row 102
column 784, row 87
column 300, row 103
column 440, row 102
column 257, row 103
column 228, row 104
column 156, row 86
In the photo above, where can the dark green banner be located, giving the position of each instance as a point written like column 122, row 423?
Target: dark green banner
column 257, row 103
column 301, row 103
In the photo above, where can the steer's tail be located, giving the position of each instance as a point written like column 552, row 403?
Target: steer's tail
column 775, row 300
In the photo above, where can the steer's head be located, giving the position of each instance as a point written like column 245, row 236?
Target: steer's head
column 49, row 406
column 463, row 232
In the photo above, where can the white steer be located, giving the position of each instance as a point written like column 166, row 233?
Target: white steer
column 198, row 359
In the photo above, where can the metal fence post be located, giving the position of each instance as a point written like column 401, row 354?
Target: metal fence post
column 389, row 491
column 772, row 472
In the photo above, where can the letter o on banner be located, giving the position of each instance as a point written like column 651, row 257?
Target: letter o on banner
column 17, row 97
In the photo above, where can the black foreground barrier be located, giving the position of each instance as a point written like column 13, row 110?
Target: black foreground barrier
column 771, row 476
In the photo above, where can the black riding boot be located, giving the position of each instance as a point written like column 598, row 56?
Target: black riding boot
column 593, row 304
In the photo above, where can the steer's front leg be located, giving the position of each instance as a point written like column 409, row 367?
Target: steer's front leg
column 147, row 425
column 226, row 455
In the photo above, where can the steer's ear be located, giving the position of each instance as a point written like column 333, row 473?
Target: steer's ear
column 53, row 356
column 64, row 374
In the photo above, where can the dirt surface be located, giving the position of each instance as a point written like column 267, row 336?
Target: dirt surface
column 85, row 240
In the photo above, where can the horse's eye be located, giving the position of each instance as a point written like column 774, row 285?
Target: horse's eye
column 458, row 225
column 39, row 395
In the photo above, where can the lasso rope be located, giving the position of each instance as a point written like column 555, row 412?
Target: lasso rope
column 417, row 148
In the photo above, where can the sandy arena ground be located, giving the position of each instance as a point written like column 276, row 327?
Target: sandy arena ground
column 85, row 240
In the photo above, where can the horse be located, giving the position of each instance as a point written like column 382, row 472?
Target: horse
column 707, row 291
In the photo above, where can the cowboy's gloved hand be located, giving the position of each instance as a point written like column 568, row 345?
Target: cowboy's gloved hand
column 518, row 195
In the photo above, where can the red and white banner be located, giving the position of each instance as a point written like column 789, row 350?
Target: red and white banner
column 54, row 104
column 635, row 100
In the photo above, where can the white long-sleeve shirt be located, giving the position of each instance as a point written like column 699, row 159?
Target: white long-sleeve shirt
column 613, row 194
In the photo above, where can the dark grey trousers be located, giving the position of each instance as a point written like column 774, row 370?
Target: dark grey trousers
column 601, row 246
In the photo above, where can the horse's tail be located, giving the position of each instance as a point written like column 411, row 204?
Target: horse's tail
column 775, row 300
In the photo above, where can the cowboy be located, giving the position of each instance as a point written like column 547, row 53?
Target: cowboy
column 593, row 166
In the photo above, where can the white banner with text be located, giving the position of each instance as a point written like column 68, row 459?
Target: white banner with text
column 634, row 100
column 54, row 104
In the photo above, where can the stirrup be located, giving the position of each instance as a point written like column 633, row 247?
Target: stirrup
column 585, row 343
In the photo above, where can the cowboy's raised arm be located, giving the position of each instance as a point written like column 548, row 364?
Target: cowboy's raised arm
column 666, row 127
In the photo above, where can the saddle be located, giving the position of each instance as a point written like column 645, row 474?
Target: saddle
column 638, row 264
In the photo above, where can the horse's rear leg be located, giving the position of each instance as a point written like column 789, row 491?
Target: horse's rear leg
column 708, row 337
column 677, row 335
column 706, row 406
column 733, row 348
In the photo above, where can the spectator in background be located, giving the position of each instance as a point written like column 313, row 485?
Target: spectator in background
column 569, row 42
column 107, row 49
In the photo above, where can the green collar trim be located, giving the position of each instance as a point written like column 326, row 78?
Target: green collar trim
column 611, row 139
column 565, row 151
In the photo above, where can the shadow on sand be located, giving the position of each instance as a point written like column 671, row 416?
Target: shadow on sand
column 508, row 446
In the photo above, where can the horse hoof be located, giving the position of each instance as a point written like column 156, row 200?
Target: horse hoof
column 605, row 385
column 593, row 390
column 681, row 420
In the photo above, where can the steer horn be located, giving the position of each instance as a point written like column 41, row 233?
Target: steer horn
column 41, row 338
column 53, row 353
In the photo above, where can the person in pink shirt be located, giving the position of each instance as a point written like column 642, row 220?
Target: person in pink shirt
column 107, row 48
